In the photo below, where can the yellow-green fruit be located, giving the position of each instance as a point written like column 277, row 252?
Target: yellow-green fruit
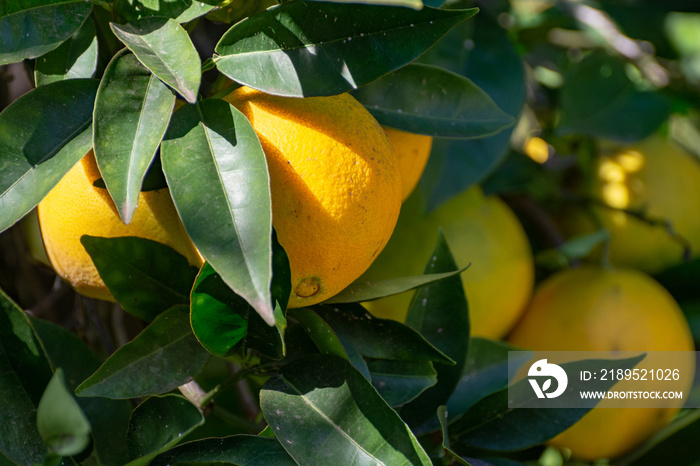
column 335, row 183
column 480, row 230
column 413, row 151
column 596, row 309
column 75, row 207
column 658, row 178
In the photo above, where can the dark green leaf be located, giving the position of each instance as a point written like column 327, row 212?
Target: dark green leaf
column 132, row 112
column 159, row 423
column 182, row 11
column 491, row 424
column 306, row 48
column 165, row 48
column 379, row 338
column 485, row 372
column 426, row 99
column 162, row 357
column 399, row 382
column 222, row 320
column 439, row 311
column 109, row 418
column 42, row 135
column 481, row 50
column 598, row 99
column 322, row 400
column 669, row 444
column 24, row 373
column 217, row 173
column 241, row 450
column 75, row 58
column 415, row 4
column 442, row 418
column 363, row 290
column 573, row 249
column 144, row 276
column 31, row 28
column 60, row 421
column 328, row 341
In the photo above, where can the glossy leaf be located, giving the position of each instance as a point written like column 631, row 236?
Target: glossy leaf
column 162, row 357
column 363, row 290
column 29, row 29
column 165, row 48
column 132, row 112
column 42, row 135
column 481, row 50
column 323, row 400
column 307, row 49
column 491, row 424
column 182, row 11
column 485, row 372
column 75, row 58
column 426, row 99
column 144, row 276
column 61, row 423
column 223, row 321
column 439, row 311
column 218, row 178
column 442, row 418
column 379, row 338
column 159, row 423
column 415, row 4
column 24, row 373
column 328, row 341
column 67, row 351
column 399, row 382
column 242, row 450
column 615, row 110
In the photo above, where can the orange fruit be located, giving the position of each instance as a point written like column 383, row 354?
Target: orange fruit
column 412, row 151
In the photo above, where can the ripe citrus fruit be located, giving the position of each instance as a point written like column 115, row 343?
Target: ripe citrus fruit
column 480, row 230
column 596, row 309
column 335, row 182
column 75, row 207
column 412, row 151
column 658, row 178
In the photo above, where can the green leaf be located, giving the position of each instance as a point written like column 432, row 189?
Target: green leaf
column 442, row 418
column 222, row 321
column 144, row 276
column 440, row 313
column 75, row 58
column 31, row 28
column 491, row 424
column 328, row 341
column 60, row 421
column 24, row 373
column 162, row 357
column 241, row 450
column 159, row 423
column 217, row 173
column 399, row 382
column 132, row 112
column 67, row 351
column 481, row 50
column 664, row 445
column 426, row 99
column 486, row 371
column 323, row 400
column 42, row 135
column 598, row 99
column 165, row 48
column 182, row 11
column 363, row 290
column 415, row 4
column 379, row 338
column 573, row 249
column 307, row 49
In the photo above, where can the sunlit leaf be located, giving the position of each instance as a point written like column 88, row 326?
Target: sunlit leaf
column 75, row 58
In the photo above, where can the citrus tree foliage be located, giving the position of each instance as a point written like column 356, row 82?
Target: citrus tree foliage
column 215, row 368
